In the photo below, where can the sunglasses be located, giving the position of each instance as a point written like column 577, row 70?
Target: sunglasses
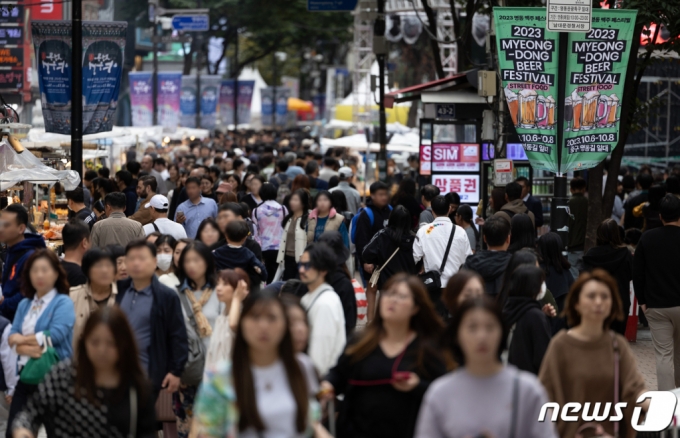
column 305, row 265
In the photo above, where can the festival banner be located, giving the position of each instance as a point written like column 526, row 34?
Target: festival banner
column 528, row 62
column 596, row 75
column 187, row 102
column 210, row 92
column 141, row 98
column 282, row 95
column 169, row 88
column 226, row 104
column 102, row 66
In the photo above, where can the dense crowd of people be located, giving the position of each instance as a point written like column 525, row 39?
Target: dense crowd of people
column 237, row 287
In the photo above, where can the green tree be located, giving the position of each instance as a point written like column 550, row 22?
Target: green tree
column 664, row 13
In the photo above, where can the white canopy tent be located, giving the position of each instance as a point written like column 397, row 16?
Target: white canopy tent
column 17, row 168
column 408, row 142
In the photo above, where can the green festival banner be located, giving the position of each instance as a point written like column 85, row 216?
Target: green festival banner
column 528, row 58
column 596, row 76
column 528, row 62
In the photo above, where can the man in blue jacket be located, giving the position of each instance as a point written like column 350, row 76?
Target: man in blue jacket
column 20, row 245
column 155, row 315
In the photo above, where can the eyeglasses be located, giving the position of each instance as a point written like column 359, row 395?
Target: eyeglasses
column 305, row 265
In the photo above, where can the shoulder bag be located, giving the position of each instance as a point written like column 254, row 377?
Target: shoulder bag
column 597, row 427
column 376, row 272
column 193, row 370
column 433, row 279
column 35, row 370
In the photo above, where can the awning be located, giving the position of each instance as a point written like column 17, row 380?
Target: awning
column 414, row 92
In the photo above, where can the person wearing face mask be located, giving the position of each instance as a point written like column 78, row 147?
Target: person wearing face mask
column 170, row 279
column 165, row 249
column 100, row 291
column 530, row 330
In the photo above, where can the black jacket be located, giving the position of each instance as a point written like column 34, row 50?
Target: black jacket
column 342, row 285
column 381, row 247
column 535, row 206
column 531, row 334
column 169, row 350
column 490, row 265
column 365, row 231
column 130, row 200
column 655, row 272
column 618, row 262
column 558, row 284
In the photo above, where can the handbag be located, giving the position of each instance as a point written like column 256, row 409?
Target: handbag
column 596, row 427
column 35, row 370
column 433, row 279
column 164, row 411
column 376, row 272
column 193, row 369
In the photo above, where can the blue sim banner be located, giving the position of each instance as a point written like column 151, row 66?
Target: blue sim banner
column 102, row 67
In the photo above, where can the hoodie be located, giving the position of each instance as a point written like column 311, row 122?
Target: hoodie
column 515, row 207
column 268, row 225
column 530, row 333
column 490, row 265
column 381, row 248
column 11, row 275
column 618, row 262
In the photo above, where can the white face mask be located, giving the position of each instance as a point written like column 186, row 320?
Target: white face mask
column 164, row 261
column 541, row 294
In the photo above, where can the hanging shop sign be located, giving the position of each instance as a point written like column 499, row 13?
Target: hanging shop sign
column 448, row 157
column 141, row 98
column 210, row 92
column 102, row 66
column 596, row 76
column 187, row 102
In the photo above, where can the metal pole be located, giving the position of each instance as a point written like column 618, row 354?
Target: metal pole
column 154, row 80
column 274, row 94
column 559, row 208
column 76, row 89
column 379, row 30
column 199, row 44
column 236, row 81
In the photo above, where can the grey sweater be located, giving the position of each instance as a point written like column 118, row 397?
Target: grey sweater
column 460, row 405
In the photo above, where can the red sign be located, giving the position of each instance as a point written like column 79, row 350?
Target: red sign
column 449, row 157
column 467, row 186
column 47, row 10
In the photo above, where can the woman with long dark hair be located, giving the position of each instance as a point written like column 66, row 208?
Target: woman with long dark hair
column 46, row 307
column 397, row 238
column 264, row 392
column 235, row 182
column 464, row 285
column 209, row 233
column 612, row 255
column 406, row 196
column 104, row 393
column 170, row 279
column 294, row 236
column 522, row 233
column 558, row 278
column 482, row 397
column 165, row 248
column 386, row 372
column 299, row 182
column 464, row 220
column 201, row 307
column 252, row 182
column 324, row 218
column 231, row 289
column 530, row 330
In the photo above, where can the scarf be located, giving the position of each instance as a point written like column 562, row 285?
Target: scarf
column 202, row 323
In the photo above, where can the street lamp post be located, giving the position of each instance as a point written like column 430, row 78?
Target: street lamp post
column 76, row 89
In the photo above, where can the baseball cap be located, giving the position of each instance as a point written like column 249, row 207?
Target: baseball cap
column 224, row 187
column 159, row 202
column 345, row 172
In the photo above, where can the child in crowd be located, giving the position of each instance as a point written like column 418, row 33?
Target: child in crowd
column 234, row 255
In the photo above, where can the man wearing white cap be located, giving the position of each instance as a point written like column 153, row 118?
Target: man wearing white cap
column 345, row 175
column 159, row 206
